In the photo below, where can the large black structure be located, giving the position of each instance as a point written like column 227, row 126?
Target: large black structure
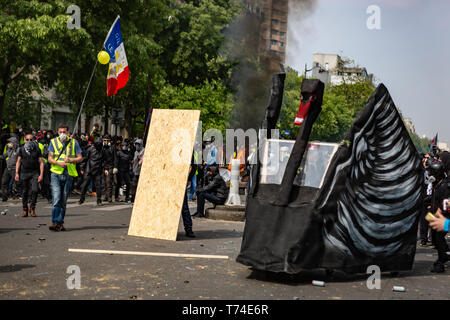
column 366, row 211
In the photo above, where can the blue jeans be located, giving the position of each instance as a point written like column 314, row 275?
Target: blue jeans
column 193, row 186
column 61, row 185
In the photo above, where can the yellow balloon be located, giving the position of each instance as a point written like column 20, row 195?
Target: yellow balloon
column 103, row 57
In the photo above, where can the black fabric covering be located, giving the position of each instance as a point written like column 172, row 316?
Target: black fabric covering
column 365, row 213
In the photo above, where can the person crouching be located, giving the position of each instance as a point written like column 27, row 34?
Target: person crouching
column 216, row 191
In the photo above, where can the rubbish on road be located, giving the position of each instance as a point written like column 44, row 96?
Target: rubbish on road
column 4, row 212
column 133, row 297
column 296, row 298
column 398, row 289
column 186, row 281
column 318, row 283
column 41, row 239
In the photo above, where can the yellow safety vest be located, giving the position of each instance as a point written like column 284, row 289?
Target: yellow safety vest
column 69, row 152
column 41, row 146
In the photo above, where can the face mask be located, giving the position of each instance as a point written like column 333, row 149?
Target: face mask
column 29, row 146
column 63, row 137
column 9, row 146
column 138, row 147
column 48, row 136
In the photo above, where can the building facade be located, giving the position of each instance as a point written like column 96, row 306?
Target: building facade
column 331, row 68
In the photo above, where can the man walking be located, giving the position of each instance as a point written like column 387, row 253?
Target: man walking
column 122, row 167
column 30, row 172
column 10, row 155
column 109, row 154
column 93, row 170
column 63, row 155
column 45, row 184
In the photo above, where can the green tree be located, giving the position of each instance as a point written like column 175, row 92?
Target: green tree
column 33, row 40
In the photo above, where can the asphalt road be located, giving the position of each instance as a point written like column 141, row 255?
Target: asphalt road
column 34, row 263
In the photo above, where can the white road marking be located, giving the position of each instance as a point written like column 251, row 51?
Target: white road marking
column 160, row 254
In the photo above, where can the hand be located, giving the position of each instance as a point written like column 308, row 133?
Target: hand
column 62, row 164
column 40, row 179
column 82, row 172
column 438, row 223
column 67, row 160
column 17, row 177
column 106, row 172
column 115, row 170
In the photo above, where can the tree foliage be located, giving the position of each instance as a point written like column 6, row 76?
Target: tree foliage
column 172, row 48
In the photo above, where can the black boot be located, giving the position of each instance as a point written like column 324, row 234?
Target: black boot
column 190, row 233
column 438, row 267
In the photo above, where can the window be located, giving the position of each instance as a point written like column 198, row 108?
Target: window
column 274, row 21
column 283, row 24
column 282, row 34
column 281, row 44
column 273, row 42
column 274, row 32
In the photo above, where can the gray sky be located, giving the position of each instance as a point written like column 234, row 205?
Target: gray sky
column 410, row 54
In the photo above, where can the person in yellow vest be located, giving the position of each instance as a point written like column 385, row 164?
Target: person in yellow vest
column 63, row 155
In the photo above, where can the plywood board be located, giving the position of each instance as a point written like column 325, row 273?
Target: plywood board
column 162, row 183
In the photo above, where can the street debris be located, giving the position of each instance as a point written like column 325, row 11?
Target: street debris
column 398, row 289
column 318, row 283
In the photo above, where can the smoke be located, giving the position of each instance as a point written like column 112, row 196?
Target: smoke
column 298, row 30
column 249, row 44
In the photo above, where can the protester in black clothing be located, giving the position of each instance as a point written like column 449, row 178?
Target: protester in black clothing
column 216, row 191
column 12, row 151
column 84, row 145
column 30, row 172
column 185, row 213
column 123, row 166
column 109, row 155
column 92, row 170
column 441, row 192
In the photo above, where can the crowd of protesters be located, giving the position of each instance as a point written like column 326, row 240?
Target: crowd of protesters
column 35, row 161
column 432, row 231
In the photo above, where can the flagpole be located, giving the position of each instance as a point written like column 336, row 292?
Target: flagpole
column 84, row 98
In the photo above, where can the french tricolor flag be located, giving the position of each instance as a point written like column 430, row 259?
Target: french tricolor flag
column 118, row 72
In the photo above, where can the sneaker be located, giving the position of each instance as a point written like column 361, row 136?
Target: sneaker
column 438, row 267
column 423, row 243
column 54, row 227
column 61, row 228
column 99, row 204
column 194, row 214
column 81, row 201
column 190, row 234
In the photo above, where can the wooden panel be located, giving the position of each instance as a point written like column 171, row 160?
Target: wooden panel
column 162, row 183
